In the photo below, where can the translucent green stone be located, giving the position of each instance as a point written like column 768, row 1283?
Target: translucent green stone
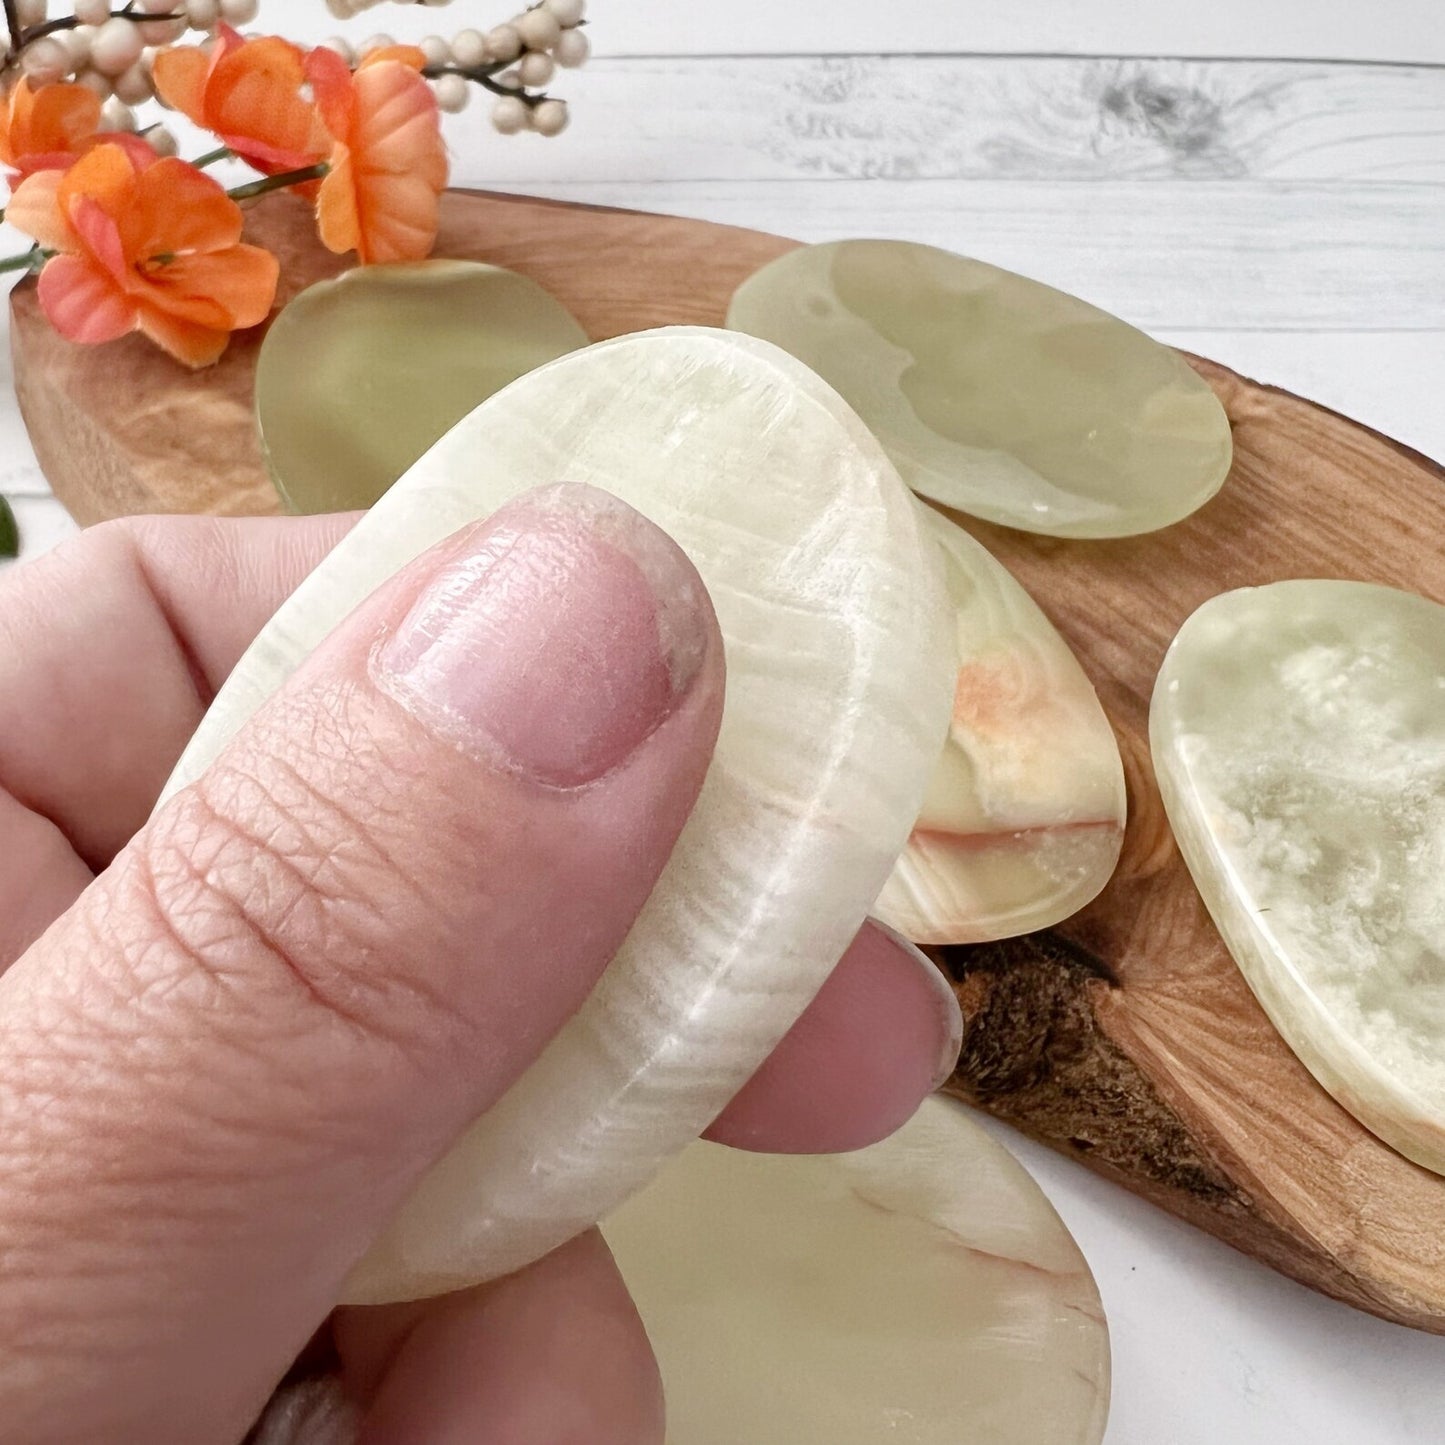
column 918, row 1292
column 359, row 376
column 1298, row 733
column 994, row 394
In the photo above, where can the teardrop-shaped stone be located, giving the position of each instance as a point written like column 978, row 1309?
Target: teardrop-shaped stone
column 922, row 1292
column 1024, row 818
column 995, row 394
column 839, row 654
column 358, row 376
column 1298, row 733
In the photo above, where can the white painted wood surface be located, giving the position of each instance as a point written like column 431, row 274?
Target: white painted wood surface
column 1266, row 197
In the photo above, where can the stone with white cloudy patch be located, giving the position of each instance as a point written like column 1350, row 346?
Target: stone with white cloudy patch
column 1298, row 733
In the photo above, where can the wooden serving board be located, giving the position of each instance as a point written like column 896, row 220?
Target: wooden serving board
column 1126, row 1037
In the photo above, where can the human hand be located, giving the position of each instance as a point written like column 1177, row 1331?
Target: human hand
column 233, row 1037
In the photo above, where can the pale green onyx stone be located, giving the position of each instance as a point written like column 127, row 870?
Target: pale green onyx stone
column 994, row 394
column 919, row 1292
column 1298, row 733
column 359, row 376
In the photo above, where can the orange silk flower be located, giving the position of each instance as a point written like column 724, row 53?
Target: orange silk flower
column 45, row 129
column 151, row 246
column 388, row 161
column 247, row 92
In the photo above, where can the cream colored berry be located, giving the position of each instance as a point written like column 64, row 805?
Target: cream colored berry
column 509, row 115
column 504, row 43
column 115, row 115
column 30, row 12
column 134, row 86
column 115, row 47
column 550, row 118
column 538, row 28
column 572, row 49
column 452, row 93
column 45, row 61
column 536, row 69
column 203, row 14
column 470, row 49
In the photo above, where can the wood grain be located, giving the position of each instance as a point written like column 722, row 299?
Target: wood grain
column 1126, row 1037
column 971, row 117
column 1159, row 253
column 1396, row 30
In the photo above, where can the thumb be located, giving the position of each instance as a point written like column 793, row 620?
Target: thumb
column 223, row 1070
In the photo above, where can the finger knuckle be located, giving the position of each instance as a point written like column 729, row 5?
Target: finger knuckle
column 263, row 887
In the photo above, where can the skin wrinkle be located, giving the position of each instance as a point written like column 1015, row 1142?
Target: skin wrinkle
column 251, row 925
column 183, row 1168
column 205, row 694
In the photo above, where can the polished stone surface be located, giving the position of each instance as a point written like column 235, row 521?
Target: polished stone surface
column 1298, row 733
column 921, row 1292
column 1024, row 818
column 840, row 652
column 358, row 376
column 995, row 394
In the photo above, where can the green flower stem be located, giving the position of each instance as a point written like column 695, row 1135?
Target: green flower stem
column 277, row 183
column 9, row 531
column 30, row 261
column 224, row 153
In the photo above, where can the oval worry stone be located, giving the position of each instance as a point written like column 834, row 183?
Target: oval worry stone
column 358, row 376
column 1298, row 733
column 839, row 655
column 994, row 394
column 920, row 1292
column 1024, row 819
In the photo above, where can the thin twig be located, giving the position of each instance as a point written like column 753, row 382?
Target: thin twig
column 69, row 22
column 482, row 75
column 15, row 34
column 212, row 157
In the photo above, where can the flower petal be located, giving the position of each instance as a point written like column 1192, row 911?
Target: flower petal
column 230, row 289
column 100, row 238
column 179, row 210
column 105, row 175
column 39, row 125
column 396, row 168
column 400, row 128
column 253, row 100
column 333, row 87
column 35, row 210
column 336, row 214
column 82, row 301
column 194, row 345
column 408, row 55
column 180, row 77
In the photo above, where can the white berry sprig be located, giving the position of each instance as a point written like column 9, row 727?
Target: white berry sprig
column 112, row 50
column 514, row 61
column 109, row 50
